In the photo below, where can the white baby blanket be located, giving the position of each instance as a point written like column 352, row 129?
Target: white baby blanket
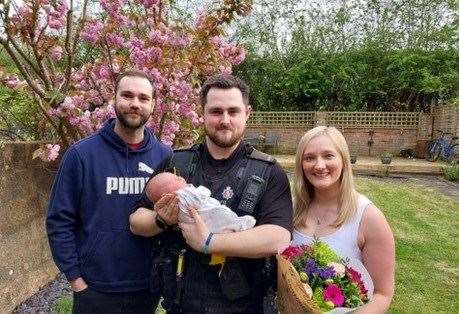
column 218, row 218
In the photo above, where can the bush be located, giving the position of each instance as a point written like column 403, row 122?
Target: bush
column 451, row 173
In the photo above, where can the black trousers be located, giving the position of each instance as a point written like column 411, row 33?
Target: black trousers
column 90, row 301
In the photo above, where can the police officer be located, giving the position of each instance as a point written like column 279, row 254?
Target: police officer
column 247, row 181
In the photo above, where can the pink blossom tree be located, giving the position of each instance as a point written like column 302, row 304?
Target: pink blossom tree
column 68, row 58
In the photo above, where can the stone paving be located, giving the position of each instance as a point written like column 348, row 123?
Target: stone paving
column 448, row 188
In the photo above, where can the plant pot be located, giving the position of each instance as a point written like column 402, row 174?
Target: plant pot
column 385, row 160
column 353, row 159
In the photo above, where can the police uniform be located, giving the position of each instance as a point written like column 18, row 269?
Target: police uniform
column 237, row 286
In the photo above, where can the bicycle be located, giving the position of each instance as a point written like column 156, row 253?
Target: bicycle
column 443, row 148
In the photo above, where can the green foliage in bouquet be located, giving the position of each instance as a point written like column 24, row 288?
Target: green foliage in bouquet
column 333, row 282
column 323, row 254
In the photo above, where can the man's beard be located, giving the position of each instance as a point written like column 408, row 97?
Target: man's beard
column 224, row 143
column 129, row 124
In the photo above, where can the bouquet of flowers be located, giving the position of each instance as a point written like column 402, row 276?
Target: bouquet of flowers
column 315, row 279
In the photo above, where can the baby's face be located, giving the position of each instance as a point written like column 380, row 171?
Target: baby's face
column 180, row 181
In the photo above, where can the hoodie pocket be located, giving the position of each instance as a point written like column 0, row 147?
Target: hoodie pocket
column 118, row 257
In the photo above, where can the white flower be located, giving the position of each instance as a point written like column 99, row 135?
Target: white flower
column 339, row 268
column 308, row 289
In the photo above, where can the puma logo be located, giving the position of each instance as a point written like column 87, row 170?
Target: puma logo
column 143, row 167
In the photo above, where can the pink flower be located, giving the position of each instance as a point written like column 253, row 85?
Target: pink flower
column 180, row 42
column 291, row 252
column 157, row 37
column 139, row 57
column 356, row 278
column 67, row 104
column 334, row 294
column 12, row 82
column 200, row 19
column 235, row 55
column 115, row 41
column 56, row 53
column 134, row 42
column 148, row 3
column 112, row 7
column 52, row 151
column 56, row 24
column 155, row 54
column 57, row 15
column 103, row 72
column 92, row 31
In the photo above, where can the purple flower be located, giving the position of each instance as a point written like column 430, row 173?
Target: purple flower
column 326, row 272
column 312, row 269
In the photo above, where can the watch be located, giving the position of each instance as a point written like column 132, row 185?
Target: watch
column 161, row 223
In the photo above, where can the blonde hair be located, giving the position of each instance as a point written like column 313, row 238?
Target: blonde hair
column 303, row 191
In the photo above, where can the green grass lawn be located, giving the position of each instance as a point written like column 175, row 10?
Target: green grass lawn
column 425, row 225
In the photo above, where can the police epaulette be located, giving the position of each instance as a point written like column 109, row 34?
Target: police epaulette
column 184, row 161
column 256, row 154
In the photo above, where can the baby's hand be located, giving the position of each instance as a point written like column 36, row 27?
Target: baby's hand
column 167, row 208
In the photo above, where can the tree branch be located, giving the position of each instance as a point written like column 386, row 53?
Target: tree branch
column 68, row 46
column 71, row 48
column 22, row 53
column 51, row 121
column 23, row 70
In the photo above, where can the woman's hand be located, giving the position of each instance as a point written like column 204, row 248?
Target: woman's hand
column 167, row 208
column 195, row 233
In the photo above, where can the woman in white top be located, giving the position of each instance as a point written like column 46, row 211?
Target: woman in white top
column 327, row 206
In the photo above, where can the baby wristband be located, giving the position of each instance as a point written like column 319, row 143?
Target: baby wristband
column 206, row 247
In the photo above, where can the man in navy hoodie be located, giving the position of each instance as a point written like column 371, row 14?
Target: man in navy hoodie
column 99, row 180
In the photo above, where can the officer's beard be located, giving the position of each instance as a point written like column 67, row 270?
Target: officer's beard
column 224, row 143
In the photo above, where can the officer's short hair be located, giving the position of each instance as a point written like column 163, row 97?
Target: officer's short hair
column 133, row 73
column 224, row 81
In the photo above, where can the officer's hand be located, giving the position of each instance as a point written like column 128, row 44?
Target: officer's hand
column 195, row 233
column 167, row 208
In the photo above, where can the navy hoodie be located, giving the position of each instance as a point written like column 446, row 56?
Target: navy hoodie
column 98, row 182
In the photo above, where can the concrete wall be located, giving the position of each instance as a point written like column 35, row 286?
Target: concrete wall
column 25, row 258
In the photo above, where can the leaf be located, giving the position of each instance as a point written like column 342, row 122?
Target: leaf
column 38, row 153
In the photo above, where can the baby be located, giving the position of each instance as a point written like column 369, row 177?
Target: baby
column 218, row 218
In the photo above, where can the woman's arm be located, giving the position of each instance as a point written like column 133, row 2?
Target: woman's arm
column 378, row 255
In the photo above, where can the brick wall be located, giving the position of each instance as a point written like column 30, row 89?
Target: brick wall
column 446, row 118
column 391, row 138
column 25, row 258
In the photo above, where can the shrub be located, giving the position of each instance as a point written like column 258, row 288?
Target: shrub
column 451, row 173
